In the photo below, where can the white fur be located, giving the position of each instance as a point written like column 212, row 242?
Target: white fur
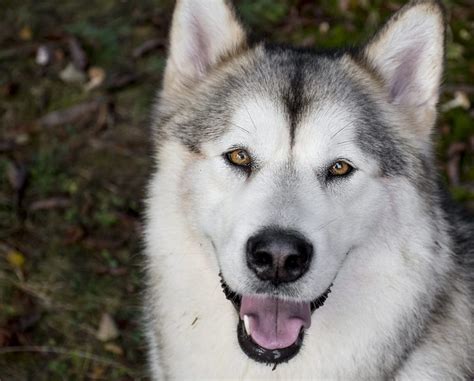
column 184, row 266
column 371, row 234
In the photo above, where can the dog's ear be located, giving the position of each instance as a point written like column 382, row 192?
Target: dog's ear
column 203, row 32
column 408, row 54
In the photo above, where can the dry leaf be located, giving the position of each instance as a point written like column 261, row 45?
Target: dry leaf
column 96, row 78
column 114, row 348
column 460, row 100
column 22, row 138
column 17, row 176
column 78, row 55
column 72, row 114
column 107, row 328
column 25, row 33
column 70, row 74
column 324, row 27
column 16, row 259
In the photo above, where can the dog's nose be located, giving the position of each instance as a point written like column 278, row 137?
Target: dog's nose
column 278, row 255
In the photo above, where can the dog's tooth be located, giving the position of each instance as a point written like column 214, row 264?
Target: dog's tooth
column 247, row 324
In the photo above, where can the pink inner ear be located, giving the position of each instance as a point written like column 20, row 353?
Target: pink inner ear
column 199, row 49
column 404, row 88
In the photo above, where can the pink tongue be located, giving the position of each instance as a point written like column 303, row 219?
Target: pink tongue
column 275, row 323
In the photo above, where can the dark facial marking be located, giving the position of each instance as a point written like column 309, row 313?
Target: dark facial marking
column 293, row 100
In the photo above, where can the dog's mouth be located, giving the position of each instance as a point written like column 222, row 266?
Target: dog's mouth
column 270, row 329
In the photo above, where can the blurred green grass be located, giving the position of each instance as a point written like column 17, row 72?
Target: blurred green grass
column 81, row 251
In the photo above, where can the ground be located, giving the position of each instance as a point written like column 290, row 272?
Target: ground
column 75, row 153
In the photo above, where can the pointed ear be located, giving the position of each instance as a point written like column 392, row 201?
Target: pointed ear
column 408, row 54
column 203, row 32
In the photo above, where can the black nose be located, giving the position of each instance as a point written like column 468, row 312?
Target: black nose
column 279, row 255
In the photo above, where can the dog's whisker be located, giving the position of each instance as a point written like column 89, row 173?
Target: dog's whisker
column 240, row 127
column 346, row 142
column 248, row 113
column 340, row 130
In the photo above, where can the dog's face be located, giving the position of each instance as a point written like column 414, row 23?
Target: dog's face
column 289, row 154
column 310, row 176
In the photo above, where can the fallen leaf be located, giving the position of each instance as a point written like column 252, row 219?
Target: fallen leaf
column 96, row 78
column 22, row 138
column 70, row 74
column 17, row 175
column 78, row 55
column 16, row 259
column 460, row 100
column 71, row 114
column 107, row 328
column 324, row 27
column 25, row 33
column 114, row 348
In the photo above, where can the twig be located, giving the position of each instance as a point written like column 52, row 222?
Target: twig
column 71, row 114
column 66, row 352
column 118, row 81
column 147, row 47
column 452, row 87
column 46, row 300
column 50, row 203
column 24, row 50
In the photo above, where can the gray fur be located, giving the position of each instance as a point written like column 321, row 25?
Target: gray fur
column 298, row 79
column 301, row 82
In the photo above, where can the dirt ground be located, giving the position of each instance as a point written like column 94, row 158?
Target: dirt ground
column 77, row 81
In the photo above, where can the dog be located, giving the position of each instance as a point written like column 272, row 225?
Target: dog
column 295, row 226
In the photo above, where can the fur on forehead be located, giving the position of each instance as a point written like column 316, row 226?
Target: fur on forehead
column 299, row 84
column 199, row 104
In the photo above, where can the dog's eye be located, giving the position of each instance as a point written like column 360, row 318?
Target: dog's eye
column 340, row 168
column 239, row 157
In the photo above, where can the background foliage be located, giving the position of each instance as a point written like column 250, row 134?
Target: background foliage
column 77, row 80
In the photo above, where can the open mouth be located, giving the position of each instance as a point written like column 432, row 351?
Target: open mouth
column 270, row 329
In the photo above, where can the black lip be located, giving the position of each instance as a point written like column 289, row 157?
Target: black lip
column 255, row 351
column 264, row 355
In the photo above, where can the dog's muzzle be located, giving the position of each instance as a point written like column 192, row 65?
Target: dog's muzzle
column 271, row 330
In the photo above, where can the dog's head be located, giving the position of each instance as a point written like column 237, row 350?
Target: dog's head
column 287, row 155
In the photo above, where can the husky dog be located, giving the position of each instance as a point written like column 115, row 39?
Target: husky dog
column 295, row 228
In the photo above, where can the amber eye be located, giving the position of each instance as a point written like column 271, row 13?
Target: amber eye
column 239, row 157
column 340, row 168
